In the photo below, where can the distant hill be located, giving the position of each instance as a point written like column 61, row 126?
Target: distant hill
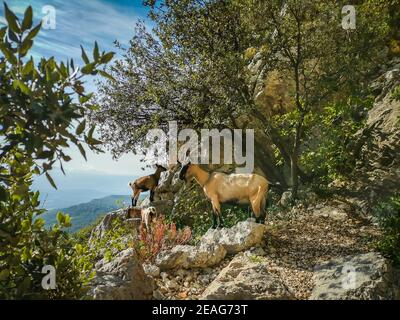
column 86, row 213
column 79, row 187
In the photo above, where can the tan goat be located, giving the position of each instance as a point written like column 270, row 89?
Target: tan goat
column 229, row 188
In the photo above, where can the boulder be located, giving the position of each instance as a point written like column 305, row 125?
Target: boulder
column 246, row 279
column 122, row 278
column 286, row 199
column 151, row 269
column 240, row 237
column 186, row 256
column 366, row 276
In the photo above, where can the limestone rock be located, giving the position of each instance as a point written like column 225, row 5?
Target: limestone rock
column 107, row 222
column 240, row 237
column 151, row 269
column 186, row 256
column 286, row 199
column 244, row 279
column 122, row 278
column 366, row 276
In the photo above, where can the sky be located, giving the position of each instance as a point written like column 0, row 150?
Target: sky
column 82, row 23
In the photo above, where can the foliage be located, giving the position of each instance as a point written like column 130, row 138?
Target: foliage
column 194, row 68
column 334, row 128
column 39, row 105
column 396, row 93
column 82, row 235
column 388, row 215
column 162, row 235
column 42, row 109
column 118, row 237
column 26, row 246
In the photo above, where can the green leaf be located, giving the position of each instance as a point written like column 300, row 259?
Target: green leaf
column 12, row 19
column 8, row 54
column 51, row 180
column 3, row 32
column 3, row 194
column 107, row 57
column 82, row 150
column 4, row 274
column 88, row 68
column 86, row 98
column 33, row 33
column 80, row 127
column 12, row 36
column 60, row 217
column 106, row 75
column 17, row 84
column 96, row 51
column 94, row 141
column 27, row 22
column 28, row 68
column 84, row 56
column 25, row 46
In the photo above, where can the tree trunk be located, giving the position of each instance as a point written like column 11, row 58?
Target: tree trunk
column 294, row 158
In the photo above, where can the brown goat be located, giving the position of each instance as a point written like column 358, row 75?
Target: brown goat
column 229, row 188
column 146, row 183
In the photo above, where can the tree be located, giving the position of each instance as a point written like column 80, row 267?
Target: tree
column 325, row 63
column 42, row 111
column 194, row 68
column 174, row 73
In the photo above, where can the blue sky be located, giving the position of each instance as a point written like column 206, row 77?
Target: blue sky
column 83, row 23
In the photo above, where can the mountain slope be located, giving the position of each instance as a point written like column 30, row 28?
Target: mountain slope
column 86, row 213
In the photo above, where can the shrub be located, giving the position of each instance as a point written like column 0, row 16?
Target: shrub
column 42, row 112
column 328, row 154
column 388, row 214
column 118, row 237
column 162, row 235
column 26, row 246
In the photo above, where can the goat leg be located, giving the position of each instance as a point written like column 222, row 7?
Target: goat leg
column 220, row 221
column 151, row 195
column 214, row 221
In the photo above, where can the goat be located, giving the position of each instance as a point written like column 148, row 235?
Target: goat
column 146, row 215
column 146, row 183
column 229, row 188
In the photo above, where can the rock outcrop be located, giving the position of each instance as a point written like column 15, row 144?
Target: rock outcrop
column 213, row 247
column 366, row 276
column 377, row 146
column 240, row 237
column 186, row 256
column 107, row 221
column 246, row 279
column 122, row 278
